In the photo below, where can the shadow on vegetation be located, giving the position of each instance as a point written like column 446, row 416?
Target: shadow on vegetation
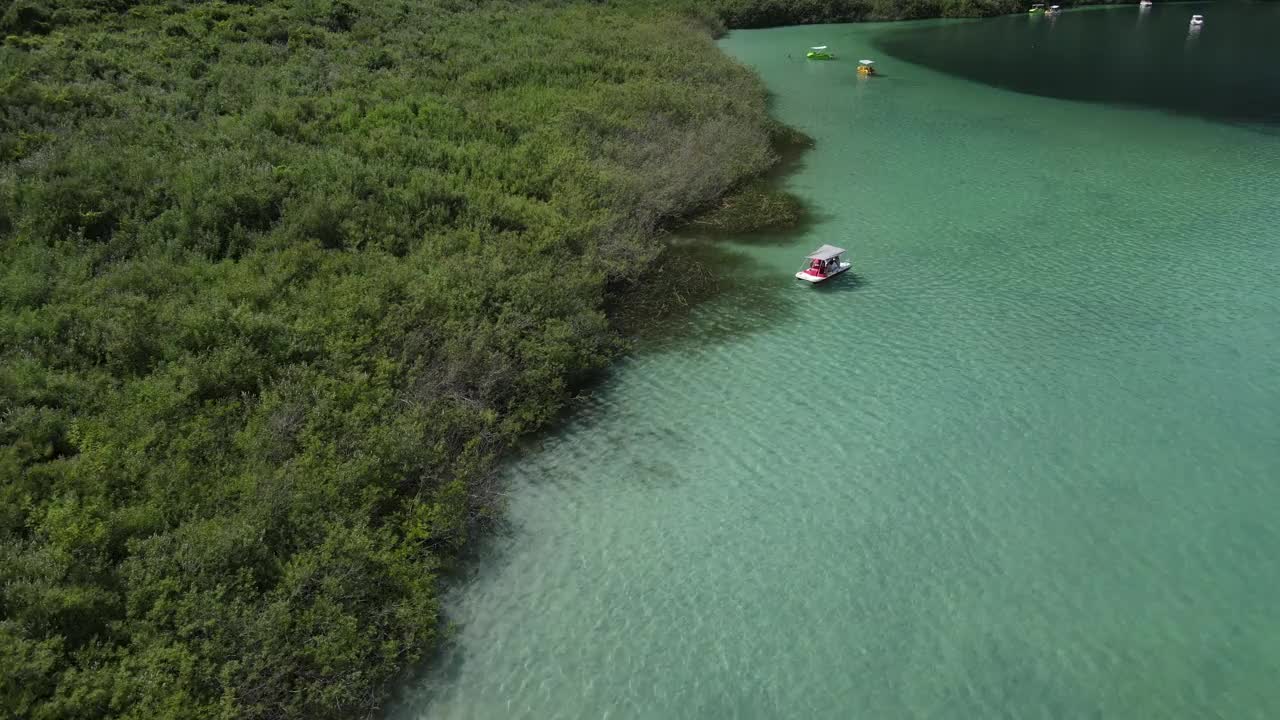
column 758, row 209
column 805, row 219
column 658, row 311
column 761, row 210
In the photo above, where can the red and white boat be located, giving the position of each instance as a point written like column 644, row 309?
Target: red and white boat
column 823, row 263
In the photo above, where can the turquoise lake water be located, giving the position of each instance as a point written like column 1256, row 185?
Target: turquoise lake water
column 1023, row 463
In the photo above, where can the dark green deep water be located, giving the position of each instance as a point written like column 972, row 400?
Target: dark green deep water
column 1228, row 69
column 1025, row 463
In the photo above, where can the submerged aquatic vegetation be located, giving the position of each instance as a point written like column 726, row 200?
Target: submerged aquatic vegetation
column 755, row 206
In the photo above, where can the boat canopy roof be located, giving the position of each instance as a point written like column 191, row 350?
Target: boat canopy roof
column 867, row 62
column 826, row 252
column 818, row 47
column 1197, row 17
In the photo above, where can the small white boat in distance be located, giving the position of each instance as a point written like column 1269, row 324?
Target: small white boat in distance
column 824, row 262
column 1053, row 10
column 1144, row 3
column 1197, row 20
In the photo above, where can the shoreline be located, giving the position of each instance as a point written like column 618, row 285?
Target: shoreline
column 254, row 360
column 979, row 265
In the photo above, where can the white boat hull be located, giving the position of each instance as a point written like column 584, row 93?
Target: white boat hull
column 802, row 275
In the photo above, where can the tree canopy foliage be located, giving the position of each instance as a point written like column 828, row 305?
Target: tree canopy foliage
column 279, row 280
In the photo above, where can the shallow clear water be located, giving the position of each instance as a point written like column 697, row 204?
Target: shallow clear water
column 1025, row 463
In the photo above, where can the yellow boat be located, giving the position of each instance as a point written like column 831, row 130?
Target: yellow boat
column 866, row 67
